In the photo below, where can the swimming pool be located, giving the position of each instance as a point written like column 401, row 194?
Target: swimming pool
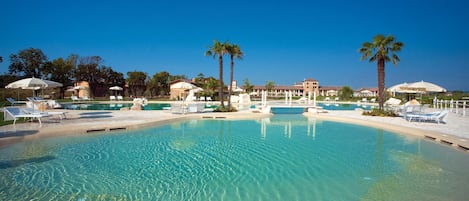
column 283, row 109
column 286, row 157
column 112, row 106
column 118, row 106
column 344, row 106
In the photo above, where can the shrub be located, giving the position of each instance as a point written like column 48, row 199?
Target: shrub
column 381, row 113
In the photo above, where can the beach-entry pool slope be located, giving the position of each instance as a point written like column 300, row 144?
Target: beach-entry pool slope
column 286, row 157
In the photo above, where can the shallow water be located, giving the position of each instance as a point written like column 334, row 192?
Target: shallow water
column 287, row 157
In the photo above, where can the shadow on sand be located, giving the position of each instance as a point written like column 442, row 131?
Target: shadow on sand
column 95, row 115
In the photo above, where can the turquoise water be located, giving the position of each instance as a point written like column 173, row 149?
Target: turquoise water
column 300, row 110
column 329, row 106
column 286, row 157
column 113, row 106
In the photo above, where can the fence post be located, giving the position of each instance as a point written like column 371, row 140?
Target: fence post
column 457, row 106
column 451, row 105
column 464, row 109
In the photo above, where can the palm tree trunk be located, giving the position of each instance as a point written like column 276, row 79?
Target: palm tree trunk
column 231, row 82
column 381, row 92
column 220, row 93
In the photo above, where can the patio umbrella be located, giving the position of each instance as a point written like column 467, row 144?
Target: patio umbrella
column 426, row 86
column 183, row 85
column 415, row 88
column 34, row 84
column 115, row 89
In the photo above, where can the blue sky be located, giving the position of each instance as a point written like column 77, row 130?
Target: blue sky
column 283, row 41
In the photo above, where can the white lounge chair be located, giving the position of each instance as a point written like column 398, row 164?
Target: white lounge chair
column 60, row 114
column 434, row 116
column 16, row 112
column 85, row 98
column 13, row 101
column 74, row 98
column 120, row 98
column 112, row 98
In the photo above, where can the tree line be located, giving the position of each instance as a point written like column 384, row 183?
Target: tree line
column 32, row 62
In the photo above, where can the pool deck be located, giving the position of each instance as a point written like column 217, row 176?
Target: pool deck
column 453, row 133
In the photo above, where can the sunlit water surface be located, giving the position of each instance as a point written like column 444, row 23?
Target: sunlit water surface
column 287, row 157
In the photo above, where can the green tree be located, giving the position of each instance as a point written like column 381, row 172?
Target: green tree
column 269, row 86
column 345, row 93
column 219, row 50
column 211, row 85
column 379, row 50
column 62, row 71
column 235, row 52
column 136, row 81
column 160, row 83
column 88, row 70
column 248, row 86
column 28, row 63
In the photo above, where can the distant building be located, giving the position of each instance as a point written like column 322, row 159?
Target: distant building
column 300, row 89
column 366, row 92
column 179, row 89
column 329, row 90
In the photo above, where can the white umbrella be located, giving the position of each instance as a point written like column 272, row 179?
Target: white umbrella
column 33, row 83
column 116, row 88
column 426, row 86
column 183, row 85
column 416, row 87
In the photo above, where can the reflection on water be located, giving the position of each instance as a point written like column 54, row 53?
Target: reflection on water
column 288, row 124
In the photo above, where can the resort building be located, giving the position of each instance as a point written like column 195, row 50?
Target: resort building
column 298, row 89
column 179, row 89
column 329, row 90
column 366, row 92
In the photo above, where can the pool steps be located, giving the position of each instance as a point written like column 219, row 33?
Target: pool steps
column 448, row 142
column 105, row 129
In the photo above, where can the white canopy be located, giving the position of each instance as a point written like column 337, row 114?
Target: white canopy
column 416, row 87
column 427, row 86
column 183, row 85
column 33, row 83
column 116, row 88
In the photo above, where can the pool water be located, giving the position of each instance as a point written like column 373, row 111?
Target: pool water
column 286, row 157
column 113, row 106
column 344, row 106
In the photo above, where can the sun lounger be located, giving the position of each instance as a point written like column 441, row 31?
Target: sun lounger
column 434, row 116
column 16, row 112
column 120, row 98
column 112, row 98
column 13, row 101
column 74, row 98
column 60, row 114
column 85, row 98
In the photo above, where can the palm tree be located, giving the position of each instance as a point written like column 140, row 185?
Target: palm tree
column 219, row 49
column 235, row 52
column 379, row 50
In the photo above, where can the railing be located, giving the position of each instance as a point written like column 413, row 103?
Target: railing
column 456, row 106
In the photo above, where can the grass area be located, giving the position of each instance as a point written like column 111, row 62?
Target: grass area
column 2, row 122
